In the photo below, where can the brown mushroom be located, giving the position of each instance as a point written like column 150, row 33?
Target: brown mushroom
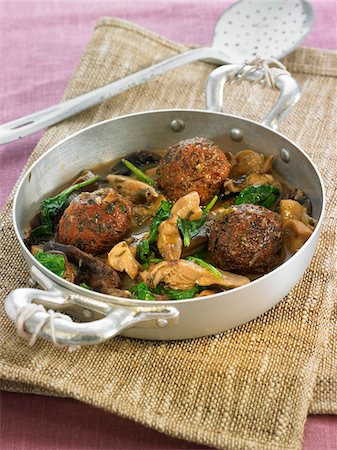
column 35, row 249
column 302, row 198
column 296, row 233
column 182, row 274
column 206, row 292
column 121, row 258
column 143, row 212
column 253, row 179
column 248, row 161
column 290, row 209
column 96, row 273
column 134, row 190
column 188, row 206
column 169, row 243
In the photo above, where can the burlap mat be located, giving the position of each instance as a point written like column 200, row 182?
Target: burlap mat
column 251, row 387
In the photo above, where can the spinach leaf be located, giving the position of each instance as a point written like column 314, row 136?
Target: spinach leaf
column 206, row 265
column 53, row 262
column 146, row 265
column 142, row 292
column 139, row 174
column 143, row 248
column 163, row 213
column 263, row 195
column 190, row 228
column 179, row 294
column 51, row 207
column 86, row 286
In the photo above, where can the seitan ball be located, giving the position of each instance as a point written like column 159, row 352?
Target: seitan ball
column 95, row 221
column 246, row 239
column 196, row 164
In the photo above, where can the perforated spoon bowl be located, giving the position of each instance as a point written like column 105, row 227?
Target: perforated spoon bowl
column 269, row 29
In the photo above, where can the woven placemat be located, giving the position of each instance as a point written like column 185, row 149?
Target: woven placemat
column 250, row 387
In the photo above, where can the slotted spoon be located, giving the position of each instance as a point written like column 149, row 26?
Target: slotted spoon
column 269, row 29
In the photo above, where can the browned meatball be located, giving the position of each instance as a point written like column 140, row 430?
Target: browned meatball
column 196, row 164
column 247, row 239
column 95, row 221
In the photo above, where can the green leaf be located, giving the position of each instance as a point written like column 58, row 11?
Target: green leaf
column 142, row 292
column 85, row 286
column 51, row 207
column 139, row 174
column 210, row 204
column 163, row 213
column 263, row 195
column 178, row 294
column 186, row 227
column 143, row 248
column 206, row 265
column 42, row 230
column 53, row 262
column 190, row 228
column 146, row 265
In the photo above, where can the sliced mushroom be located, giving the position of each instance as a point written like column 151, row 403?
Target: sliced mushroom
column 248, row 161
column 142, row 213
column 134, row 190
column 302, row 198
column 152, row 172
column 188, row 206
column 169, row 242
column 36, row 248
column 296, row 233
column 99, row 276
column 309, row 221
column 234, row 186
column 122, row 258
column 207, row 292
column 290, row 209
column 184, row 275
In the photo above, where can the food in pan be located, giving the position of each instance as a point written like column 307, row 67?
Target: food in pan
column 191, row 222
column 246, row 239
column 198, row 165
column 94, row 221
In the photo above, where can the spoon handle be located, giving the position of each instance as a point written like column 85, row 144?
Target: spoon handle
column 31, row 123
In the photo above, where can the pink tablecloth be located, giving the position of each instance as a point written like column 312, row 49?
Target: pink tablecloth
column 40, row 46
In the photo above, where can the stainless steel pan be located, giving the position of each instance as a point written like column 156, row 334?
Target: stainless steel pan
column 108, row 316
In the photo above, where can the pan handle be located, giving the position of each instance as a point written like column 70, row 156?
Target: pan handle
column 277, row 78
column 27, row 308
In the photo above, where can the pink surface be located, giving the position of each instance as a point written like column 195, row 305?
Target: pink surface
column 40, row 46
column 39, row 423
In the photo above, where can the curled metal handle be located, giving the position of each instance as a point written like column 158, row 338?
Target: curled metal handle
column 27, row 308
column 289, row 89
